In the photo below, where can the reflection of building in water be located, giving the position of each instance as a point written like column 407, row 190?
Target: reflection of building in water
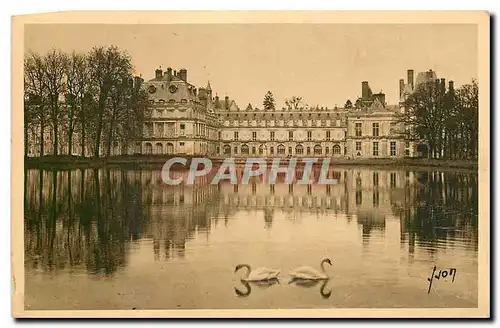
column 365, row 194
column 177, row 212
column 87, row 217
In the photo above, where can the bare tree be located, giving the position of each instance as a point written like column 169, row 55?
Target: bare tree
column 77, row 85
column 35, row 99
column 55, row 82
column 107, row 66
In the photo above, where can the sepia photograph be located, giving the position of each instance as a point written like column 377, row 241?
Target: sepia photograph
column 251, row 164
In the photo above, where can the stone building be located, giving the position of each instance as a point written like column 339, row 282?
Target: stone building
column 192, row 121
column 183, row 120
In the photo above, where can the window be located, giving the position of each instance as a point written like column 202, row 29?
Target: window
column 253, row 150
column 235, row 150
column 336, row 148
column 244, row 150
column 254, row 136
column 375, row 198
column 308, row 150
column 220, row 135
column 236, row 135
column 375, row 128
column 290, row 150
column 393, row 148
column 183, row 129
column 357, row 128
column 337, row 123
column 327, row 150
column 309, row 135
column 290, row 135
column 358, row 145
column 271, row 135
column 375, row 179
column 317, row 150
column 271, row 150
column 281, row 150
column 328, row 135
column 299, row 150
column 359, row 197
column 393, row 179
column 375, row 148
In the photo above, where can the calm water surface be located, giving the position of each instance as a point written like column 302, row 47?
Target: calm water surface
column 121, row 239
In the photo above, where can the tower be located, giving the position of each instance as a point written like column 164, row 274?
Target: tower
column 209, row 90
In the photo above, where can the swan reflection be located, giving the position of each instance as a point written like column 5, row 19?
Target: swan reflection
column 309, row 283
column 260, row 284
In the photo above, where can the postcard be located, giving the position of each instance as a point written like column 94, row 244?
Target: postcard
column 251, row 164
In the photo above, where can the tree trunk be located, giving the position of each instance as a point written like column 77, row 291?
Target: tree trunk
column 42, row 139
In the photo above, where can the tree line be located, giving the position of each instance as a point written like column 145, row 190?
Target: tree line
column 445, row 119
column 90, row 98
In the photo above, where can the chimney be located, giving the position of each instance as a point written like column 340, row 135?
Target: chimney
column 443, row 84
column 401, row 87
column 450, row 86
column 365, row 90
column 183, row 74
column 381, row 97
column 158, row 73
column 226, row 102
column 410, row 78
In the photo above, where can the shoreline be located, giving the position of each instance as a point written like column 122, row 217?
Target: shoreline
column 141, row 161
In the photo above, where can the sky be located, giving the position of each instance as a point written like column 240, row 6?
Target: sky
column 322, row 63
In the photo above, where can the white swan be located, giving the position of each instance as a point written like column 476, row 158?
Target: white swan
column 259, row 274
column 309, row 273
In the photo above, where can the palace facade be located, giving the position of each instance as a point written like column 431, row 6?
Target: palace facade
column 189, row 120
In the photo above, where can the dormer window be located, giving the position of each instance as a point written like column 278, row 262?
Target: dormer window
column 161, row 102
column 184, row 101
column 171, row 101
column 152, row 102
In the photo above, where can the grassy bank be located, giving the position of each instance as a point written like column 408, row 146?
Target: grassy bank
column 141, row 161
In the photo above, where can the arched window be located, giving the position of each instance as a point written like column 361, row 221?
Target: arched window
column 317, row 150
column 244, row 150
column 281, row 150
column 308, row 150
column 169, row 148
column 299, row 150
column 149, row 148
column 261, row 149
column 227, row 150
column 159, row 148
column 336, row 150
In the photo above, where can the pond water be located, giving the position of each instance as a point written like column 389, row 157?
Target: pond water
column 122, row 239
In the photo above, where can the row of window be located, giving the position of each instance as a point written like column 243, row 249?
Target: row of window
column 281, row 150
column 358, row 129
column 292, row 116
column 272, row 135
column 171, row 101
column 375, row 149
